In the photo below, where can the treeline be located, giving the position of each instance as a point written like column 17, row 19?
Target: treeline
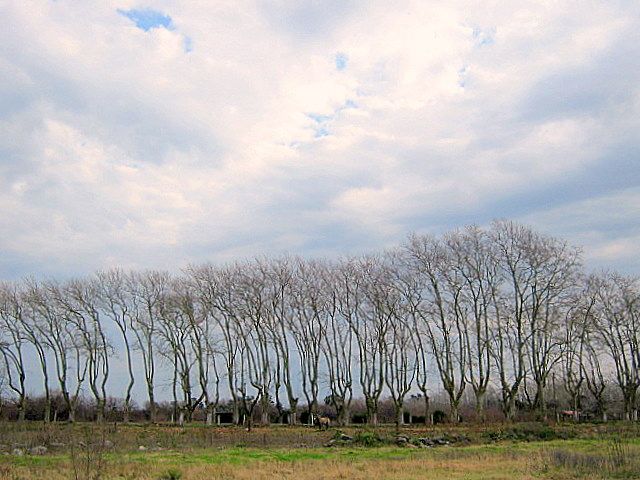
column 501, row 309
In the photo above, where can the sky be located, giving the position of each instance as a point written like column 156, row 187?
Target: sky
column 161, row 133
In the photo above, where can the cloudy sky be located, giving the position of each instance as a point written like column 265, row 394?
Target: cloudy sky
column 159, row 133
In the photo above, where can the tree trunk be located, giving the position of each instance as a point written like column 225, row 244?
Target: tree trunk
column 372, row 411
column 399, row 416
column 509, row 407
column 480, row 404
column 629, row 403
column 153, row 410
column 22, row 409
column 454, row 406
column 211, row 413
column 264, row 403
column 427, row 415
column 126, row 412
column 374, row 418
column 343, row 416
column 236, row 412
column 293, row 415
column 100, row 411
column 539, row 402
column 47, row 408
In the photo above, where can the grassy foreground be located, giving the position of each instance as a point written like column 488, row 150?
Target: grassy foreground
column 170, row 453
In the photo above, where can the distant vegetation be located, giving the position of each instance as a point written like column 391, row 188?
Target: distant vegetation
column 477, row 324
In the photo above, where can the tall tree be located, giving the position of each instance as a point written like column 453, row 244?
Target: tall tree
column 114, row 299
column 619, row 330
column 441, row 314
column 477, row 271
column 12, row 344
column 308, row 324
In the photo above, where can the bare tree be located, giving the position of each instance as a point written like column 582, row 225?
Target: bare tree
column 115, row 301
column 441, row 314
column 217, row 289
column 80, row 301
column 619, row 330
column 147, row 292
column 51, row 319
column 176, row 320
column 594, row 375
column 12, row 344
column 278, row 277
column 577, row 323
column 475, row 267
column 510, row 303
column 410, row 288
column 338, row 342
column 400, row 361
column 554, row 267
column 308, row 324
column 34, row 334
column 252, row 302
column 361, row 302
column 203, row 341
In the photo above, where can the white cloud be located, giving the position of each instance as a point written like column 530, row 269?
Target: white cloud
column 117, row 146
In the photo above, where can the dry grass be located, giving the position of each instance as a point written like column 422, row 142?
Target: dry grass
column 418, row 466
column 84, row 452
column 512, row 461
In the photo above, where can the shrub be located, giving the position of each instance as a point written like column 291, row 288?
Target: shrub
column 171, row 475
column 367, row 439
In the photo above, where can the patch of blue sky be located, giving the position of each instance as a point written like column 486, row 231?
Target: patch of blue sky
column 188, row 44
column 341, row 60
column 321, row 120
column 321, row 132
column 462, row 76
column 484, row 37
column 146, row 19
column 318, row 118
column 320, row 128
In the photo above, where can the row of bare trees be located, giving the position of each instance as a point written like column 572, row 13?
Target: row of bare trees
column 501, row 308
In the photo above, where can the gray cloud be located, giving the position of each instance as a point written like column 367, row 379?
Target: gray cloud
column 118, row 147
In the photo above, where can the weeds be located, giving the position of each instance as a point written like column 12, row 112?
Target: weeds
column 171, row 475
column 87, row 456
column 530, row 432
column 616, row 461
column 618, row 454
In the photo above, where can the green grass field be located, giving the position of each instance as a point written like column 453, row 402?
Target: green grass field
column 525, row 451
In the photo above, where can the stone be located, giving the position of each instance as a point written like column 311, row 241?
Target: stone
column 39, row 450
column 17, row 452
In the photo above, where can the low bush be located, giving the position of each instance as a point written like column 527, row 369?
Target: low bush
column 171, row 475
column 368, row 439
